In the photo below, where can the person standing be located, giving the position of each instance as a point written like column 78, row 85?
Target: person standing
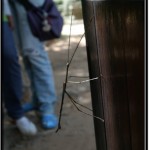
column 11, row 76
column 38, row 66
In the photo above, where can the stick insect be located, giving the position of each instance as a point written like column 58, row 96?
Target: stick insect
column 66, row 82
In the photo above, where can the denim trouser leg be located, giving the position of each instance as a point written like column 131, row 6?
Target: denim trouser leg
column 11, row 75
column 37, row 64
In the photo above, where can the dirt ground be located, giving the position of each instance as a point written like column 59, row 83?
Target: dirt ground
column 77, row 131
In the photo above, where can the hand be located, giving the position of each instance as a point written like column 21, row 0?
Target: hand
column 10, row 22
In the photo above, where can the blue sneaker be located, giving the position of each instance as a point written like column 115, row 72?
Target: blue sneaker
column 49, row 121
column 29, row 107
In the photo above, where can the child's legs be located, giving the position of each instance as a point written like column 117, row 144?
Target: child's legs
column 11, row 77
column 38, row 64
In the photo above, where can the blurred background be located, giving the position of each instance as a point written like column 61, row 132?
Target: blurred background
column 77, row 131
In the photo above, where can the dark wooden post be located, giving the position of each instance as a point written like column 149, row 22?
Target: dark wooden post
column 116, row 54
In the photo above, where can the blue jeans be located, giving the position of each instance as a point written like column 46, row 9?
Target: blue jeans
column 11, row 75
column 36, row 62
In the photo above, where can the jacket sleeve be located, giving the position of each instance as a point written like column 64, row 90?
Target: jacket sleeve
column 6, row 8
